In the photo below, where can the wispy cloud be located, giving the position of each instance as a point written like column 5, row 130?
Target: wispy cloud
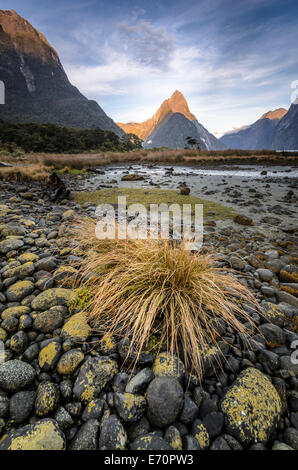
column 232, row 60
column 147, row 45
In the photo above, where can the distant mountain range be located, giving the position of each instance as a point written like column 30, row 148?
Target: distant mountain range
column 276, row 130
column 286, row 133
column 37, row 89
column 171, row 125
column 36, row 86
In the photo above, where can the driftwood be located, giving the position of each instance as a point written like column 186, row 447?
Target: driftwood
column 56, row 189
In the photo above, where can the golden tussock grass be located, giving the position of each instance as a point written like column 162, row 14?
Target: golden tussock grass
column 145, row 288
column 178, row 156
column 35, row 172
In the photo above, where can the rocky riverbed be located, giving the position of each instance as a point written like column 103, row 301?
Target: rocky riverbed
column 62, row 387
column 266, row 193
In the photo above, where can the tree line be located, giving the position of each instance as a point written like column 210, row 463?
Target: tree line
column 49, row 138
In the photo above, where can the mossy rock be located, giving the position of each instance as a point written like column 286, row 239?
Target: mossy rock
column 15, row 312
column 252, row 408
column 77, row 328
column 291, row 288
column 93, row 377
column 22, row 271
column 19, row 291
column 168, row 365
column 12, row 230
column 52, row 297
column 65, row 274
column 68, row 215
column 49, row 355
column 3, row 335
column 113, row 435
column 201, row 434
column 47, row 398
column 243, row 220
column 10, row 244
column 130, row 407
column 273, row 314
column 27, row 257
column 289, row 273
column 44, row 435
column 108, row 344
column 70, row 361
column 173, row 437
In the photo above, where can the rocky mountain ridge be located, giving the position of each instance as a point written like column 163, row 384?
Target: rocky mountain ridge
column 259, row 135
column 37, row 88
column 171, row 125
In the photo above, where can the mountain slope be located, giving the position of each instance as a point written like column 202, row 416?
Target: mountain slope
column 257, row 136
column 168, row 128
column 172, row 132
column 286, row 133
column 37, row 88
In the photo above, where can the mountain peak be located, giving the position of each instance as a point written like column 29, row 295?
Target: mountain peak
column 171, row 125
column 177, row 93
column 175, row 104
column 275, row 114
column 25, row 39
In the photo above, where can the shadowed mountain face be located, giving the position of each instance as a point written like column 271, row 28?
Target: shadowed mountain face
column 171, row 125
column 36, row 86
column 286, row 133
column 258, row 136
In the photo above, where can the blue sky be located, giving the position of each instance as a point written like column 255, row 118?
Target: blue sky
column 232, row 59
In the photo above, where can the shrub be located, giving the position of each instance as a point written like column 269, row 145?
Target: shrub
column 141, row 289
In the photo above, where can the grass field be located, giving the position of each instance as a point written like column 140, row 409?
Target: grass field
column 152, row 196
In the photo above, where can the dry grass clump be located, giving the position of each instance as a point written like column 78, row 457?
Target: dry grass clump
column 142, row 289
column 74, row 162
column 35, row 172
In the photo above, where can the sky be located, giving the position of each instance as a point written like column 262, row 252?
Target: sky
column 233, row 60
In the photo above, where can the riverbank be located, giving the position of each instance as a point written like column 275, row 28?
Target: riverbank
column 64, row 386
